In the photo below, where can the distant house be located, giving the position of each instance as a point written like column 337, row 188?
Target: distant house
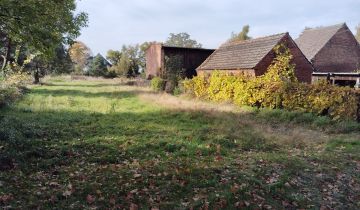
column 253, row 57
column 331, row 49
column 191, row 59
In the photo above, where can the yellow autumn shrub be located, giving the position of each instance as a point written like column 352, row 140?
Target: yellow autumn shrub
column 221, row 86
column 196, row 86
column 278, row 88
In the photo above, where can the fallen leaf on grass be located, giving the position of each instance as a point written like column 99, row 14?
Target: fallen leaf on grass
column 67, row 193
column 112, row 201
column 133, row 206
column 137, row 175
column 5, row 198
column 54, row 184
column 90, row 199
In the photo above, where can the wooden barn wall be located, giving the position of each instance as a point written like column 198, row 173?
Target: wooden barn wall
column 193, row 58
column 340, row 54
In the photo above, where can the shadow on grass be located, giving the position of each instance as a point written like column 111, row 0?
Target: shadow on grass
column 75, row 93
column 174, row 142
column 108, row 138
column 84, row 85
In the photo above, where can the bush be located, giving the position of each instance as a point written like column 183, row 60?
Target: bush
column 221, row 86
column 12, row 87
column 158, row 84
column 197, row 87
column 278, row 89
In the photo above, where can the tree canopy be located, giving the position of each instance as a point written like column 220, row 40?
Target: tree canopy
column 129, row 61
column 98, row 66
column 40, row 30
column 41, row 25
column 80, row 55
column 182, row 40
column 113, row 56
column 243, row 35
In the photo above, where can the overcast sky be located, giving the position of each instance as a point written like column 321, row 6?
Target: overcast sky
column 113, row 23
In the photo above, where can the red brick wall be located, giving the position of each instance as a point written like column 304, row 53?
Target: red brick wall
column 303, row 68
column 340, row 54
column 153, row 61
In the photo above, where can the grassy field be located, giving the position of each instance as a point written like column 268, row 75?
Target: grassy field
column 100, row 144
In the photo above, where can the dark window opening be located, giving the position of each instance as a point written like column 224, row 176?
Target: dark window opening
column 345, row 83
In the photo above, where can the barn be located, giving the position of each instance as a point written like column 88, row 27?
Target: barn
column 253, row 57
column 334, row 53
column 191, row 59
column 330, row 49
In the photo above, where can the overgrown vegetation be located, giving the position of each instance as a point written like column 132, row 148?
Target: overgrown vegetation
column 278, row 88
column 98, row 144
column 158, row 84
column 12, row 88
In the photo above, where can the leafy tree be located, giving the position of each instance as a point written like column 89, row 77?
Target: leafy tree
column 40, row 65
column 113, row 56
column 243, row 35
column 80, row 54
column 61, row 63
column 142, row 54
column 98, row 66
column 182, row 40
column 40, row 26
column 129, row 62
column 174, row 71
column 358, row 33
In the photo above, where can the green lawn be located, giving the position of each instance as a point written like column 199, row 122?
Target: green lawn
column 100, row 144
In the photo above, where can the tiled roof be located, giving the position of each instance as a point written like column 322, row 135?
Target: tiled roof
column 241, row 54
column 311, row 41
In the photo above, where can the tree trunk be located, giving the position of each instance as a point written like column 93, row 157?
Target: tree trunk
column 36, row 76
column 7, row 55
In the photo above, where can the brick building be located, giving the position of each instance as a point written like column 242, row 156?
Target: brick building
column 331, row 49
column 191, row 59
column 253, row 57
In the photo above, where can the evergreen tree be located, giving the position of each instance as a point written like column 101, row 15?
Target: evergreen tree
column 98, row 67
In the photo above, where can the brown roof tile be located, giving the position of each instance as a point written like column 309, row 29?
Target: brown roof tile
column 311, row 41
column 241, row 54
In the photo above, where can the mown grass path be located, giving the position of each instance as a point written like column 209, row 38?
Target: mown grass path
column 100, row 144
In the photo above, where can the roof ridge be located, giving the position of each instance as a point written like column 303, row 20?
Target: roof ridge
column 324, row 27
column 312, row 41
column 226, row 44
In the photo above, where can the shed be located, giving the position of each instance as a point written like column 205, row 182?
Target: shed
column 253, row 57
column 191, row 59
column 331, row 49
